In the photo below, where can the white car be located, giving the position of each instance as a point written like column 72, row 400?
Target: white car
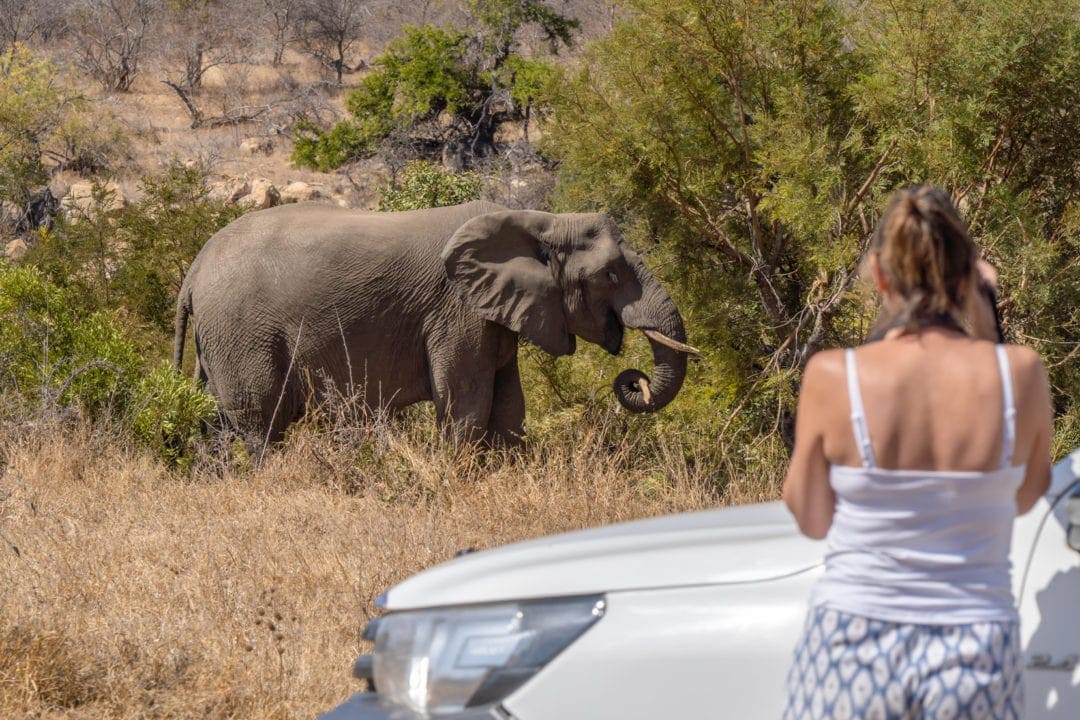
column 686, row 616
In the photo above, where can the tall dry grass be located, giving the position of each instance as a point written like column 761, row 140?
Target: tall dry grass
column 129, row 590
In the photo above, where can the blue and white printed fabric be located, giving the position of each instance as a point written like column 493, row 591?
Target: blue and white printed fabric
column 847, row 666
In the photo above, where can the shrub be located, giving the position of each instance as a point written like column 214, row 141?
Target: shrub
column 170, row 414
column 134, row 258
column 423, row 185
column 56, row 355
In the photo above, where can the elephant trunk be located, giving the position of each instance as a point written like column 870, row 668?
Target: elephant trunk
column 656, row 315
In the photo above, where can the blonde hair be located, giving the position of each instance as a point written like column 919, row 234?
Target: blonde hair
column 923, row 248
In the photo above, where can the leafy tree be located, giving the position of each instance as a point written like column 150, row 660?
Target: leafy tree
column 424, row 185
column 44, row 119
column 502, row 20
column 82, row 253
column 163, row 233
column 442, row 90
column 751, row 146
column 31, row 109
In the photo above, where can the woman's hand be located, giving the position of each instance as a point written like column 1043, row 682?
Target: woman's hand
column 981, row 309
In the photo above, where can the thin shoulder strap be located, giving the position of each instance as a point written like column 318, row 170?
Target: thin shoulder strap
column 858, row 414
column 1008, row 403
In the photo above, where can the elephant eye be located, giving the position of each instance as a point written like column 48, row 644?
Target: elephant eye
column 613, row 277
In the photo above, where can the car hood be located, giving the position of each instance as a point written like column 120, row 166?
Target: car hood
column 730, row 545
column 751, row 543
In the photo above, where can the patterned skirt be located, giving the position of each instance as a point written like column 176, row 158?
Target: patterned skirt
column 847, row 666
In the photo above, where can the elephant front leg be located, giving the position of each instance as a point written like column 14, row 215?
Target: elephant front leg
column 506, row 424
column 463, row 402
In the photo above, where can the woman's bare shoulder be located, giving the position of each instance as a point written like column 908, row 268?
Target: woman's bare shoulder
column 1025, row 362
column 823, row 377
column 1022, row 357
column 1027, row 366
column 826, row 365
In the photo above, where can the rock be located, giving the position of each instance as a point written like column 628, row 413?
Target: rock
column 60, row 186
column 80, row 201
column 263, row 194
column 257, row 146
column 297, row 191
column 10, row 215
column 230, row 190
column 16, row 249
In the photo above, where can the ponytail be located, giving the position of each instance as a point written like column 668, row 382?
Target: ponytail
column 924, row 249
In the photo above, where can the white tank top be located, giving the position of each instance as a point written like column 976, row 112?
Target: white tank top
column 922, row 546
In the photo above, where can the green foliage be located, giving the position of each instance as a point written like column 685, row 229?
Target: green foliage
column 163, row 233
column 423, row 185
column 170, row 414
column 528, row 79
column 81, row 253
column 31, row 108
column 748, row 147
column 43, row 117
column 426, row 67
column 54, row 353
column 134, row 257
column 504, row 19
column 82, row 324
column 429, row 71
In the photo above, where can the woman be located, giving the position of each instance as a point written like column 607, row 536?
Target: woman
column 912, row 455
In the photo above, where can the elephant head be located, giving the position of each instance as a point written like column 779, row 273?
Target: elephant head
column 553, row 278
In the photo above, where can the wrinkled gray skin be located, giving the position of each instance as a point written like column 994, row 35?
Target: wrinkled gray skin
column 413, row 306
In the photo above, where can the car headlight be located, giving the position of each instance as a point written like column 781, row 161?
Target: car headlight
column 440, row 661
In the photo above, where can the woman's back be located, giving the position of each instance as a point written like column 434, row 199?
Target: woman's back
column 933, row 401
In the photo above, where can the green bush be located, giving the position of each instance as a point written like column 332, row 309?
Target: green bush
column 423, row 185
column 170, row 414
column 54, row 354
column 134, row 258
column 749, row 148
column 163, row 233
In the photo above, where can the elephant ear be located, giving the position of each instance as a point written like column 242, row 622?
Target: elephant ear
column 499, row 264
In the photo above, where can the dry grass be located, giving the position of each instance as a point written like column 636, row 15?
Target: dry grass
column 131, row 591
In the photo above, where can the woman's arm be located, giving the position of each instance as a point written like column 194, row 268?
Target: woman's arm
column 1034, row 419
column 807, row 491
column 980, row 303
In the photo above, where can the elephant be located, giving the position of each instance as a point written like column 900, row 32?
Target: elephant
column 420, row 305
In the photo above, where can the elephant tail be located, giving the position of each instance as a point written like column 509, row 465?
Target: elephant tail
column 183, row 312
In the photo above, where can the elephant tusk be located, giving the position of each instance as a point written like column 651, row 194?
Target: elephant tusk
column 673, row 344
column 645, row 392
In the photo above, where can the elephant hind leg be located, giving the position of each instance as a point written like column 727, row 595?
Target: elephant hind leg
column 260, row 407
